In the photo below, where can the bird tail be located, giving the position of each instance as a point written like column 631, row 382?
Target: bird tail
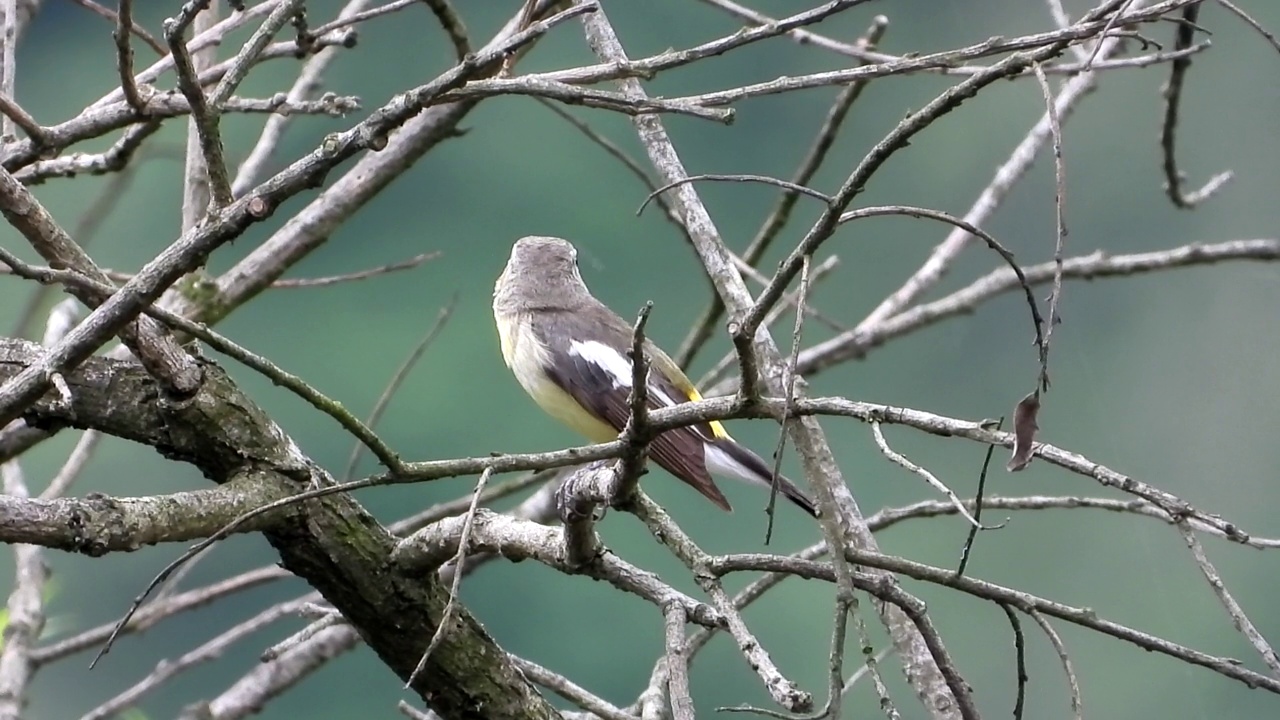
column 726, row 457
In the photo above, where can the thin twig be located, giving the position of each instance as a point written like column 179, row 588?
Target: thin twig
column 889, row 517
column 845, row 604
column 137, row 30
column 977, row 505
column 1238, row 617
column 781, row 689
column 778, row 218
column 1240, row 13
column 1020, row 658
column 74, row 465
column 206, row 652
column 789, row 393
column 819, row 273
column 899, row 137
column 1112, row 21
column 309, row 82
column 788, row 302
column 345, row 20
column 208, row 165
column 452, row 25
column 927, row 476
column 886, row 703
column 1077, row 702
column 15, row 115
column 122, row 34
column 12, row 114
column 867, row 668
column 151, row 614
column 793, row 187
column 569, row 690
column 222, row 344
column 250, row 52
column 24, row 612
column 1037, row 320
column 446, row 620
column 328, row 280
column 1059, row 203
column 285, row 283
column 322, row 617
column 871, row 56
column 1082, row 616
column 112, row 161
column 1168, row 129
column 989, row 199
column 858, row 342
column 527, row 11
column 398, row 378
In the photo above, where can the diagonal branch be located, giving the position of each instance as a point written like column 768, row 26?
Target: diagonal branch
column 857, row 343
column 810, row 444
column 781, row 689
column 992, row 195
column 332, row 544
column 307, row 85
column 778, row 217
column 211, row 167
column 316, row 223
column 1238, row 617
column 149, row 341
column 229, row 222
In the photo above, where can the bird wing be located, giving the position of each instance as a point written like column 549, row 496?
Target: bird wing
column 599, row 378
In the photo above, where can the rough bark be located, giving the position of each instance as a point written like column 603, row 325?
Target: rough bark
column 330, row 542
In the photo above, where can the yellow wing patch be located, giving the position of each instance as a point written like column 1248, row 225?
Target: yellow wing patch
column 668, row 367
column 716, row 428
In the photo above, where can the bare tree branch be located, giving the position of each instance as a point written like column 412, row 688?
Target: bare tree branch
column 1173, row 97
column 100, row 524
column 858, row 342
column 395, row 587
column 25, row 608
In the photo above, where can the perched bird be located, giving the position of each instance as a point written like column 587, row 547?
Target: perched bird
column 570, row 354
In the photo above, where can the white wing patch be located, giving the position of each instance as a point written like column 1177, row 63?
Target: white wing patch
column 597, row 353
column 616, row 365
column 720, row 462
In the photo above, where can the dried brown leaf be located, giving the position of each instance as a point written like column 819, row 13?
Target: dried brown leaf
column 1024, row 431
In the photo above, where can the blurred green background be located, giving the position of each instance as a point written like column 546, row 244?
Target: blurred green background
column 1171, row 378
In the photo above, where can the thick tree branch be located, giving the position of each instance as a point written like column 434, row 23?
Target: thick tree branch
column 841, row 517
column 332, row 543
column 99, row 524
column 517, row 539
column 147, row 339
